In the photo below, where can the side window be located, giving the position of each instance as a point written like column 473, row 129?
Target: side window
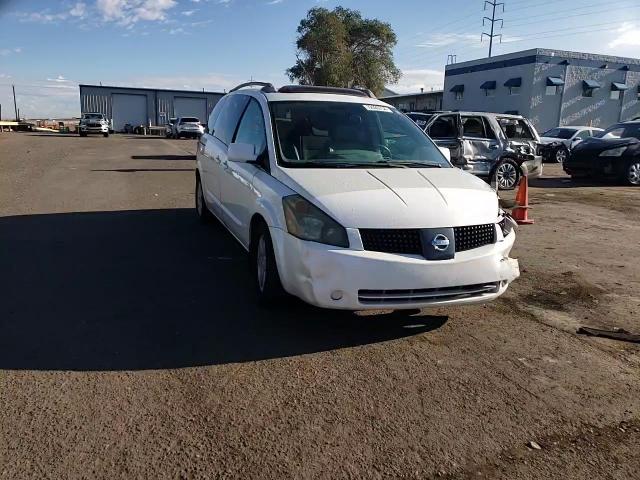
column 226, row 123
column 473, row 127
column 488, row 130
column 444, row 127
column 583, row 134
column 251, row 129
column 215, row 113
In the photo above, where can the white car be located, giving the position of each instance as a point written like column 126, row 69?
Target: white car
column 189, row 127
column 344, row 202
column 558, row 142
column 93, row 123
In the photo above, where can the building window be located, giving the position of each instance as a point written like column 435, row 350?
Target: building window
column 459, row 95
column 552, row 90
column 489, row 92
column 615, row 95
column 514, row 90
column 587, row 92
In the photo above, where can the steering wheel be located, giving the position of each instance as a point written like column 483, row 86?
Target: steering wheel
column 385, row 152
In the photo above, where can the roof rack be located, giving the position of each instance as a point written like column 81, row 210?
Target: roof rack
column 266, row 87
column 318, row 89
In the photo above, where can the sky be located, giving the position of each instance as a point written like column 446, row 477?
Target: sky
column 49, row 47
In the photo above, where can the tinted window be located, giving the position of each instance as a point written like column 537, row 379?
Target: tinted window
column 226, row 123
column 337, row 134
column 189, row 120
column 251, row 129
column 583, row 134
column 444, row 127
column 622, row 131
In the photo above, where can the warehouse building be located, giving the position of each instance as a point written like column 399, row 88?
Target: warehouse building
column 550, row 87
column 414, row 102
column 145, row 106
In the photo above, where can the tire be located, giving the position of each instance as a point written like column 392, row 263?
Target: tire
column 264, row 268
column 105, row 135
column 83, row 134
column 507, row 173
column 202, row 210
column 632, row 172
column 561, row 154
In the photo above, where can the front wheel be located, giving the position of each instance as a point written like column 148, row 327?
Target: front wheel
column 264, row 268
column 561, row 154
column 632, row 172
column 105, row 135
column 507, row 174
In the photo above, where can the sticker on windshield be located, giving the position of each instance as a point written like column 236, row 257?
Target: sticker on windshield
column 377, row 108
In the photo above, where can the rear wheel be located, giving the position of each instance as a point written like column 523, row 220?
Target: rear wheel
column 507, row 174
column 632, row 172
column 264, row 268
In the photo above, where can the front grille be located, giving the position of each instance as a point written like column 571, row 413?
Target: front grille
column 474, row 236
column 409, row 241
column 392, row 240
column 422, row 295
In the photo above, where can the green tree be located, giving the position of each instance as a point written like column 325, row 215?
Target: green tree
column 339, row 48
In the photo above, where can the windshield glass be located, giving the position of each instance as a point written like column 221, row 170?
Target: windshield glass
column 189, row 120
column 93, row 116
column 337, row 134
column 563, row 133
column 631, row 130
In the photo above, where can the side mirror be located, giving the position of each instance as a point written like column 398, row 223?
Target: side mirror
column 446, row 152
column 241, row 152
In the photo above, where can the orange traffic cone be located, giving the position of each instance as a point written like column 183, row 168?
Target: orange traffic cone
column 520, row 211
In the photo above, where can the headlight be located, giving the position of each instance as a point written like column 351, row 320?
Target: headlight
column 613, row 152
column 308, row 222
column 506, row 223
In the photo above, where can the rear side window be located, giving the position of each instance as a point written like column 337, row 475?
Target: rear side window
column 251, row 129
column 473, row 127
column 226, row 123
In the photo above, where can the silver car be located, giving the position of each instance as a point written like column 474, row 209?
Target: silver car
column 490, row 145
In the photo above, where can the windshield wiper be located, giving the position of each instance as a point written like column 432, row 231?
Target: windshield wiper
column 408, row 163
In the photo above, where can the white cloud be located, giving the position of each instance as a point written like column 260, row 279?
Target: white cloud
column 413, row 80
column 188, row 13
column 5, row 75
column 78, row 10
column 127, row 12
column 175, row 31
column 274, row 2
column 58, row 79
column 9, row 51
column 42, row 17
column 628, row 35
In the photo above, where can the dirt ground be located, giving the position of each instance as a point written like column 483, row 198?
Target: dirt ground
column 131, row 345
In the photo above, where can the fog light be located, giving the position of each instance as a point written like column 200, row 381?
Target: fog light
column 336, row 295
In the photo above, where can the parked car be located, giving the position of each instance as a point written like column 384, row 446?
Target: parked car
column 93, row 122
column 489, row 145
column 168, row 128
column 555, row 144
column 615, row 153
column 344, row 202
column 189, row 127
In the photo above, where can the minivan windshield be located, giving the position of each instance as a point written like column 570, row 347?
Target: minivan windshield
column 350, row 135
column 563, row 133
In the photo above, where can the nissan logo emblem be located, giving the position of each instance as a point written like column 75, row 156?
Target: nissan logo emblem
column 440, row 242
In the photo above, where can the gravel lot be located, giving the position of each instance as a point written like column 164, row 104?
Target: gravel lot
column 131, row 345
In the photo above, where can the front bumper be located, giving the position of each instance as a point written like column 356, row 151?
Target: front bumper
column 94, row 128
column 314, row 272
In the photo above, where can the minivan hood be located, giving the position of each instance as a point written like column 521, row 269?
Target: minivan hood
column 396, row 197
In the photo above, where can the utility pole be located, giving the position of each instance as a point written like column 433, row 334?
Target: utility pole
column 493, row 4
column 15, row 105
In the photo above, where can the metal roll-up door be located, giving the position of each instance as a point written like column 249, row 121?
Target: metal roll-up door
column 129, row 108
column 190, row 107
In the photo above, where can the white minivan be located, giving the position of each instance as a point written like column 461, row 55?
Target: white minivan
column 342, row 201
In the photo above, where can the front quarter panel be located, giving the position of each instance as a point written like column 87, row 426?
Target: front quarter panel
column 269, row 193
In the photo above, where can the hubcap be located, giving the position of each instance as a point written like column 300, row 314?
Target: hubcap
column 561, row 155
column 634, row 173
column 506, row 175
column 199, row 198
column 261, row 263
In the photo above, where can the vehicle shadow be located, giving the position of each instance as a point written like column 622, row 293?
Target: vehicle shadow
column 153, row 289
column 134, row 170
column 567, row 182
column 163, row 157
